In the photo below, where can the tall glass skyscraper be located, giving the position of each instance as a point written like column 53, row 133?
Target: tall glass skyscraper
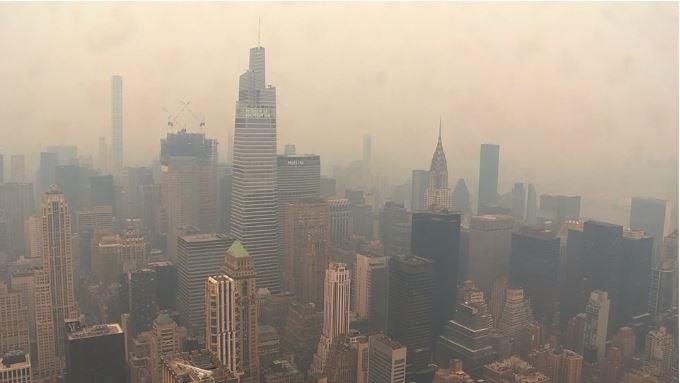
column 254, row 213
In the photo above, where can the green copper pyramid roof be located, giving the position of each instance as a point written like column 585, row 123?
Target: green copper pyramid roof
column 164, row 318
column 237, row 250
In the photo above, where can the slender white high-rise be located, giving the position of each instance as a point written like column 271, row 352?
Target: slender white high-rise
column 254, row 213
column 336, row 306
column 221, row 323
column 116, row 123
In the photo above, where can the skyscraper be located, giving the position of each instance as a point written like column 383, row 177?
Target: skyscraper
column 17, row 168
column 559, row 208
column 516, row 312
column 48, row 165
column 239, row 266
column 649, row 214
column 659, row 351
column 435, row 236
column 198, row 257
column 395, row 228
column 532, row 205
column 116, row 123
column 489, row 249
column 662, row 285
column 298, row 176
column 341, row 220
column 306, row 248
column 58, row 263
column 14, row 326
column 335, row 314
column 597, row 318
column 142, row 295
column 16, row 200
column 254, row 214
column 371, row 289
column 386, row 360
column 409, row 319
column 95, row 354
column 534, row 263
column 461, row 197
column 188, row 184
column 221, row 321
column 488, row 176
column 438, row 193
column 467, row 336
column 518, row 207
column 166, row 341
column 15, row 367
column 419, row 182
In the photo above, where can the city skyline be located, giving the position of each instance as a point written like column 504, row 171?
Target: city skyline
column 472, row 111
column 308, row 238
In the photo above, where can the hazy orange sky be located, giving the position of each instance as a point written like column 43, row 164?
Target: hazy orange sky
column 582, row 97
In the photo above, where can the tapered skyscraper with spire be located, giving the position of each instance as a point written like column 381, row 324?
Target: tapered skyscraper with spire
column 438, row 193
column 254, row 212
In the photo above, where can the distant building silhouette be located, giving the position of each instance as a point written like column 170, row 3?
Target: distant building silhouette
column 488, row 177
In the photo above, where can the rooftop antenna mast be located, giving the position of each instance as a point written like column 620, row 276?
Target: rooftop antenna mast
column 259, row 21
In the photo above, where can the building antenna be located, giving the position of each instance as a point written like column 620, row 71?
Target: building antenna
column 440, row 128
column 259, row 20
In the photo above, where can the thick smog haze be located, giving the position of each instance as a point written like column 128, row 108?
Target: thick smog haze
column 582, row 97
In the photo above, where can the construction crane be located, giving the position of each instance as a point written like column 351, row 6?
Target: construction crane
column 172, row 118
column 201, row 121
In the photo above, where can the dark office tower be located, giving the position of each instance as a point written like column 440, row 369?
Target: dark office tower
column 254, row 214
column 101, row 191
column 166, row 284
column 461, row 197
column 534, row 259
column 488, row 176
column 649, row 214
column 661, row 288
column 619, row 263
column 392, row 220
column 419, row 182
column 532, row 205
column 306, row 248
column 489, row 249
column 116, row 123
column 224, row 174
column 188, row 184
column 636, row 266
column 410, row 310
column 48, row 166
column 17, row 168
column 559, row 208
column 518, row 207
column 435, row 236
column 198, row 257
column 95, row 354
column 298, row 176
column 467, row 336
column 142, row 295
column 16, row 200
column 370, row 281
column 69, row 181
column 327, row 187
